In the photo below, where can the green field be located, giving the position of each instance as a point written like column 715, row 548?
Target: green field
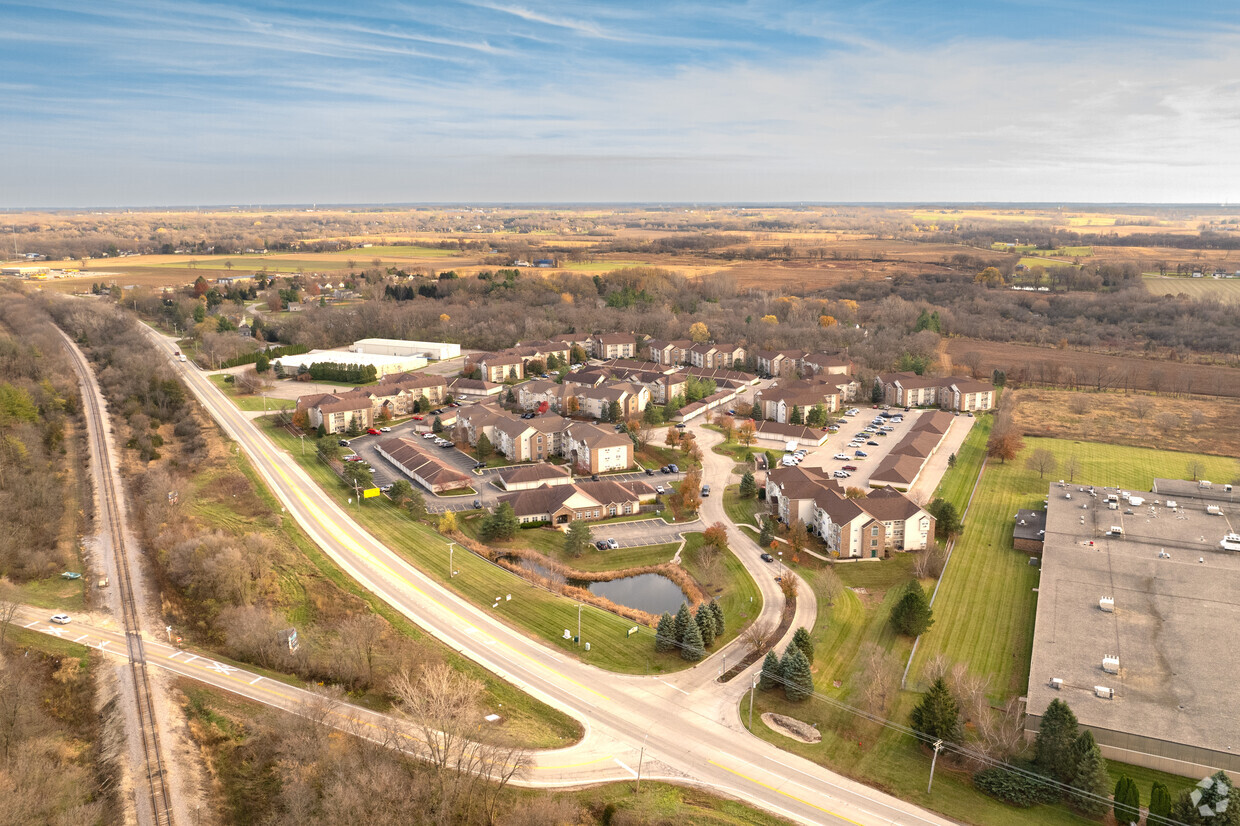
column 1226, row 290
column 536, row 611
column 364, row 255
column 727, row 581
column 957, row 482
column 250, row 403
column 985, row 606
column 741, row 511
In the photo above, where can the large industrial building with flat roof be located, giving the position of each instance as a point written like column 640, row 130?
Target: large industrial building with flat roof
column 430, row 350
column 1137, row 623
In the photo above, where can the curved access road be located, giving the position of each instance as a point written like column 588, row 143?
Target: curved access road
column 683, row 736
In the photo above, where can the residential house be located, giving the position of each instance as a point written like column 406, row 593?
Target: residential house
column 779, row 401
column 949, row 392
column 559, row 505
column 612, row 346
column 498, row 367
column 668, row 353
column 597, row 401
column 532, row 395
column 335, row 412
column 593, row 449
column 715, row 356
column 777, row 362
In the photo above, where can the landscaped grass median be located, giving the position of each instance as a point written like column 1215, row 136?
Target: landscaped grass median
column 957, row 482
column 532, row 609
column 741, row 511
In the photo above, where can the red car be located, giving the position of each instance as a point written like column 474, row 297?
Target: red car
column 849, row 468
column 373, row 431
column 418, row 418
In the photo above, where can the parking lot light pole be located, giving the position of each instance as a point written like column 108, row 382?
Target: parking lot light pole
column 451, row 568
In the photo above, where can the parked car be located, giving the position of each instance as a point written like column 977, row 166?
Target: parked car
column 385, row 488
column 767, row 558
column 650, row 471
column 370, row 470
column 343, row 443
column 593, row 477
column 849, row 468
column 60, row 619
column 428, row 435
column 373, row 431
column 860, row 454
column 841, row 474
column 842, row 457
column 419, row 418
column 385, row 430
column 872, row 444
column 613, row 544
column 601, row 545
column 527, row 415
column 706, row 490
column 665, row 469
column 680, row 426
column 477, row 504
column 673, row 469
column 659, row 489
column 436, row 412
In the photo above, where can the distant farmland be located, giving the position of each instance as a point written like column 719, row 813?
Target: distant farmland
column 1226, row 290
column 1027, row 364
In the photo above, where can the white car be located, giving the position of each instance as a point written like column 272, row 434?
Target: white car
column 385, row 430
column 428, row 435
column 60, row 619
column 841, row 474
column 613, row 544
column 843, row 456
column 659, row 489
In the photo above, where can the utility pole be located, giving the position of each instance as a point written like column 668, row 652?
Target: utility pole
column 451, row 568
column 580, row 605
column 753, row 686
column 938, row 744
column 640, row 756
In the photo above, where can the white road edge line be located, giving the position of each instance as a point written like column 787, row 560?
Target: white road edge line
column 626, row 768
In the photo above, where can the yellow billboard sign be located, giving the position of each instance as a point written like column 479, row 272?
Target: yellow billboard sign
column 370, row 493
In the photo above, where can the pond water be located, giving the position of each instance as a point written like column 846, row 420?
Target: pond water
column 653, row 593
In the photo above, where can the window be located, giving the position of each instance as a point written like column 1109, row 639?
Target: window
column 611, row 510
column 874, row 531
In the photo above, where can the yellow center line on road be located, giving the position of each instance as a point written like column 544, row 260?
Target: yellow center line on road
column 785, row 794
column 386, row 569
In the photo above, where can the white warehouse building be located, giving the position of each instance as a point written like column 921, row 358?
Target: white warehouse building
column 432, row 350
column 385, row 364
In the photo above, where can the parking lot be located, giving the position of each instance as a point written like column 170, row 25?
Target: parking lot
column 386, row 474
column 840, row 443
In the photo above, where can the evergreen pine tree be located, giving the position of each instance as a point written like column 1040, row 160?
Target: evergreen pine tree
column 748, row 487
column 1091, row 780
column 797, row 416
column 801, row 640
column 1160, row 803
column 717, row 613
column 772, row 671
column 705, row 619
column 692, row 648
column 938, row 714
column 767, row 535
column 1053, row 747
column 683, row 620
column 1219, row 797
column 1127, row 801
column 756, row 413
column 665, row 634
column 912, row 615
column 798, row 680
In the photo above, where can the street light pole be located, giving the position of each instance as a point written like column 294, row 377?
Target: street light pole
column 580, row 605
column 938, row 744
column 451, row 567
column 752, row 686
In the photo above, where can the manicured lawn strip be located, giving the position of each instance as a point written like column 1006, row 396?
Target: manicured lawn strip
column 957, row 482
column 532, row 609
column 53, row 593
column 736, row 591
column 741, row 511
column 984, row 612
column 528, row 720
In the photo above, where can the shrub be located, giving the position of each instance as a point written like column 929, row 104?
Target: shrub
column 1015, row 789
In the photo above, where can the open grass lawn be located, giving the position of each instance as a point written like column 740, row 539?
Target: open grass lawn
column 53, row 593
column 550, row 542
column 250, row 403
column 984, row 611
column 742, row 511
column 532, row 609
column 957, row 482
column 602, row 266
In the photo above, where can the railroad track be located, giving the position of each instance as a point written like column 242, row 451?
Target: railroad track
column 156, row 776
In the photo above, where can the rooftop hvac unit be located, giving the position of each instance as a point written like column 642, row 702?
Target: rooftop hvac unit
column 1107, row 604
column 1057, row 683
column 1171, row 503
column 1104, row 692
column 1136, row 501
column 1110, row 665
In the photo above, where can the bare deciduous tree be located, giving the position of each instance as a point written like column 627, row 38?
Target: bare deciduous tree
column 1041, row 460
column 1141, row 407
column 1071, row 467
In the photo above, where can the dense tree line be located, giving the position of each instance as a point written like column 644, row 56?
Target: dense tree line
column 39, row 401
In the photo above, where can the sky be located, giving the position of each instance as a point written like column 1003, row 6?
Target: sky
column 152, row 103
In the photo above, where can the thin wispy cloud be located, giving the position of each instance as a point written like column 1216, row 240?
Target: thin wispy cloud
column 150, row 101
